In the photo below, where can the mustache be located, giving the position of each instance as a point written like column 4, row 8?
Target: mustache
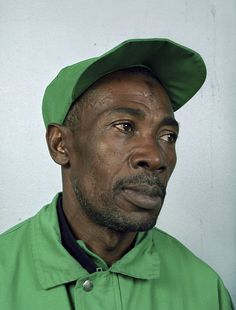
column 140, row 179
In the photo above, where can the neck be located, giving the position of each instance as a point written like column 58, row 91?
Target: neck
column 108, row 244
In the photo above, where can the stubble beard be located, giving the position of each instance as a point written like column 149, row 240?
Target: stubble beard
column 106, row 214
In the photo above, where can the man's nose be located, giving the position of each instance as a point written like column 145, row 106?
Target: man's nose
column 148, row 156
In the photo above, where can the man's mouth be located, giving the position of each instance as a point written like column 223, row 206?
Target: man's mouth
column 144, row 196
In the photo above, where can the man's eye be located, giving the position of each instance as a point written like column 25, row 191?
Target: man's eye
column 169, row 137
column 125, row 127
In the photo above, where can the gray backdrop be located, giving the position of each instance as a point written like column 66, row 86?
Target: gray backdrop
column 38, row 38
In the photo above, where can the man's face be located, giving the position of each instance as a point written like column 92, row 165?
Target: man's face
column 123, row 152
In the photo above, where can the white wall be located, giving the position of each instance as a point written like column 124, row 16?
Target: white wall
column 38, row 38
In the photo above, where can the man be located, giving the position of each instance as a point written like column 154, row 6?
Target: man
column 111, row 127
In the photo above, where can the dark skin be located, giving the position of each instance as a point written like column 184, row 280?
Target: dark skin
column 116, row 164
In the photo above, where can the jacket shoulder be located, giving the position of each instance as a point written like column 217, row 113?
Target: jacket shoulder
column 18, row 239
column 21, row 229
column 178, row 262
column 15, row 231
column 169, row 245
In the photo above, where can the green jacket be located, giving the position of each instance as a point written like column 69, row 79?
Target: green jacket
column 36, row 272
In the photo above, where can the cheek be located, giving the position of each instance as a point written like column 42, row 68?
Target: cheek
column 106, row 160
column 98, row 162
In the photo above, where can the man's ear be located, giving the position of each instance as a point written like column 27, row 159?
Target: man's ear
column 56, row 136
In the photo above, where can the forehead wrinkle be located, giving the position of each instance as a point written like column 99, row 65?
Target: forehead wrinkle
column 97, row 96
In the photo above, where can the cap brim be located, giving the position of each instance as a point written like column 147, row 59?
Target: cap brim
column 180, row 70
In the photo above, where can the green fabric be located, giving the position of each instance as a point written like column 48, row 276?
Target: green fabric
column 180, row 70
column 36, row 272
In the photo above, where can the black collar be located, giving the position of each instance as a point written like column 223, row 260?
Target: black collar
column 69, row 241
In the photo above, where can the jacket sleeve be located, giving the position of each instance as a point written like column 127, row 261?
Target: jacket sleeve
column 225, row 301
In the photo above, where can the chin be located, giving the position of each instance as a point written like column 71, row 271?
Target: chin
column 133, row 224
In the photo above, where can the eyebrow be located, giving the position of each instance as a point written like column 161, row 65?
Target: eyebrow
column 169, row 121
column 130, row 111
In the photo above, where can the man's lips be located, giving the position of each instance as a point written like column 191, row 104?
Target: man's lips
column 143, row 196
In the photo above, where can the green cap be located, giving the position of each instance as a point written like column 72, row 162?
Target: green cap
column 180, row 70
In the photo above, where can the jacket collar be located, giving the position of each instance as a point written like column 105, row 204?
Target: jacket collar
column 55, row 266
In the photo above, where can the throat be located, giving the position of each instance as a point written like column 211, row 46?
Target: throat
column 109, row 247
